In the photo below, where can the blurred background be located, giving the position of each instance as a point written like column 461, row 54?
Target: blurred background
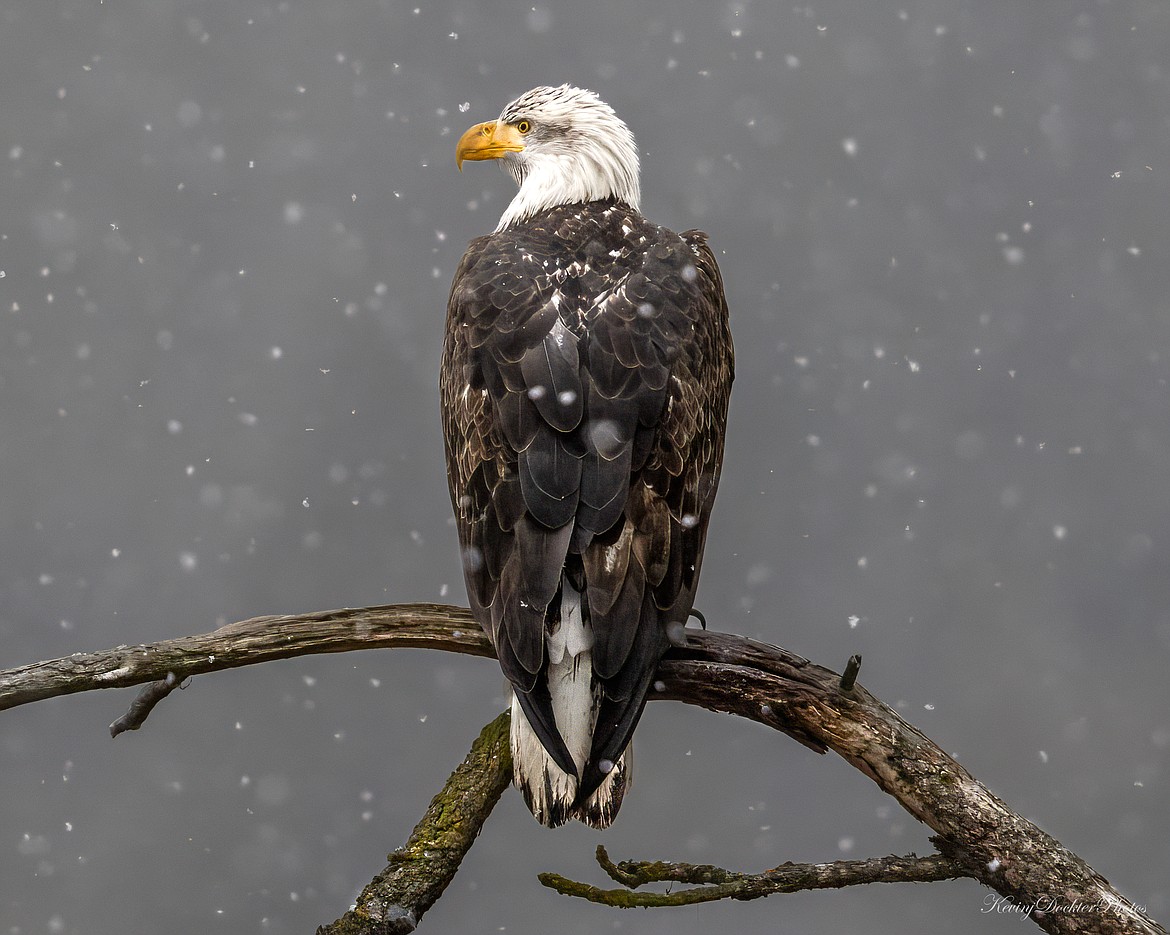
column 227, row 231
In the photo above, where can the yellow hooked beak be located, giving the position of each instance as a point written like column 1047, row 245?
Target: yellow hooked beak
column 489, row 140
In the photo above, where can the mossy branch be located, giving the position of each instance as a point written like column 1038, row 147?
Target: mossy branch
column 715, row 883
column 418, row 872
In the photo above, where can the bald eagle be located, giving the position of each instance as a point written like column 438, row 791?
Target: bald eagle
column 585, row 376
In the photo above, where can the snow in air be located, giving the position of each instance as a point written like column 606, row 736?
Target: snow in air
column 539, row 19
column 472, row 559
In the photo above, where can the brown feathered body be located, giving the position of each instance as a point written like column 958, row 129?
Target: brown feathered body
column 585, row 378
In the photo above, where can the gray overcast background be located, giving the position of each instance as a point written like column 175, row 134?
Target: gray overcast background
column 227, row 231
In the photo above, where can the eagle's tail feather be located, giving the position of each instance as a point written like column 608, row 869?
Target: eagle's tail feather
column 601, row 808
column 549, row 791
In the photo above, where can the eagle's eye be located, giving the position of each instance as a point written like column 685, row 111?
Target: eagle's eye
column 524, row 125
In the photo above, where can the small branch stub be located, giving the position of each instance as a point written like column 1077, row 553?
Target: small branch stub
column 148, row 696
column 849, row 676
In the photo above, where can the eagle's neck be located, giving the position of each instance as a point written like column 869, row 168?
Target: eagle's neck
column 583, row 170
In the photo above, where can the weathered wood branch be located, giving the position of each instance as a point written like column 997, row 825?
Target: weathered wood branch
column 717, row 671
column 1000, row 848
column 257, row 639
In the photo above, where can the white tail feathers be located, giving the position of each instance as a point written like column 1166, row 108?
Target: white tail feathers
column 548, row 790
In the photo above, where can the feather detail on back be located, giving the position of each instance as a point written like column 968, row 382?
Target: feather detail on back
column 586, row 373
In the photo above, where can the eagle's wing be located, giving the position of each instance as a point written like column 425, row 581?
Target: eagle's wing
column 585, row 380
column 513, row 535
column 642, row 574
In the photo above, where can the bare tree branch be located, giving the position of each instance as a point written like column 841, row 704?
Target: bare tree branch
column 258, row 639
column 721, row 672
column 726, row 884
column 418, row 872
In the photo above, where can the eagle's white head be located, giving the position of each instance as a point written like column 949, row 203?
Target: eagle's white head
column 562, row 146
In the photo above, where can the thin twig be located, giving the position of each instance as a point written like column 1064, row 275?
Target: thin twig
column 718, row 883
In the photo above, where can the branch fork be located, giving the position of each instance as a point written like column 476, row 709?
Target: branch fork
column 977, row 834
